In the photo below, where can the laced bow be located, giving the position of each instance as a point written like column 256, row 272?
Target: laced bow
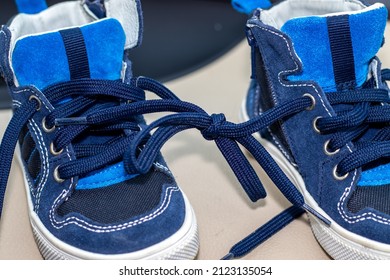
column 357, row 112
column 88, row 106
column 104, row 107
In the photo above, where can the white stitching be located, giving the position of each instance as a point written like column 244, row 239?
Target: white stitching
column 84, row 224
column 105, row 229
column 46, row 166
column 31, row 91
column 101, row 229
column 17, row 104
column 109, row 181
column 158, row 165
column 345, row 216
column 43, row 151
column 357, row 218
column 281, row 148
column 257, row 97
column 291, row 71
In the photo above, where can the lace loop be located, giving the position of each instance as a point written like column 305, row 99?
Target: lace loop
column 145, row 147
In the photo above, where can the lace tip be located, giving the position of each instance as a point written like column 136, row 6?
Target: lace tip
column 316, row 214
column 229, row 256
column 71, row 121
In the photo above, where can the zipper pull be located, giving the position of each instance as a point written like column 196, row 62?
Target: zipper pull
column 251, row 39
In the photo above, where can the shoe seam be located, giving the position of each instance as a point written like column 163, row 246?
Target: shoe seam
column 45, row 159
column 86, row 225
column 46, row 164
column 281, row 148
column 342, row 200
column 105, row 229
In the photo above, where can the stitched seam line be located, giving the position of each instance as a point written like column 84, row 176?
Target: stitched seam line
column 46, row 166
column 17, row 104
column 124, row 177
column 44, row 153
column 342, row 201
column 104, row 229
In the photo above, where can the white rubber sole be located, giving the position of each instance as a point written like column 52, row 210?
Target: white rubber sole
column 338, row 242
column 183, row 245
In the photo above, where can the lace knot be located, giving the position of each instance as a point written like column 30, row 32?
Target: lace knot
column 212, row 131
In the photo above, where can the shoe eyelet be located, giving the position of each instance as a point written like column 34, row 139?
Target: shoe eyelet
column 327, row 151
column 53, row 150
column 316, row 129
column 33, row 97
column 45, row 128
column 56, row 175
column 337, row 177
column 313, row 101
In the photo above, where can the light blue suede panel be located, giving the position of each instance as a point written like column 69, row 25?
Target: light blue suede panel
column 311, row 42
column 377, row 176
column 106, row 177
column 31, row 6
column 247, row 6
column 41, row 60
column 367, row 33
column 105, row 42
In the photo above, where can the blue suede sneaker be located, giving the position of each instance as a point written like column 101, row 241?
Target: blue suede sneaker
column 336, row 147
column 76, row 109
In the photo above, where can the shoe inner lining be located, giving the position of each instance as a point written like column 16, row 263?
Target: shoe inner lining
column 287, row 10
column 74, row 13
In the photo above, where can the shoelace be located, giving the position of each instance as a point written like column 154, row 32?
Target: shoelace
column 365, row 107
column 362, row 110
column 99, row 106
column 77, row 98
column 81, row 96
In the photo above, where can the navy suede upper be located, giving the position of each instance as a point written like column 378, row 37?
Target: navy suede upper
column 294, row 68
column 312, row 45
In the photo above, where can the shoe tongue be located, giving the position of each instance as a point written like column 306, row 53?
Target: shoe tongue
column 336, row 49
column 92, row 51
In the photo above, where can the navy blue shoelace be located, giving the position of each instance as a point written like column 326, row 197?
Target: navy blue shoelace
column 116, row 108
column 95, row 106
column 361, row 110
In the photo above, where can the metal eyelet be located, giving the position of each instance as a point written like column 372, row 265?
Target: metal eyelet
column 38, row 100
column 56, row 175
column 313, row 101
column 45, row 128
column 327, row 151
column 337, row 177
column 316, row 129
column 53, row 150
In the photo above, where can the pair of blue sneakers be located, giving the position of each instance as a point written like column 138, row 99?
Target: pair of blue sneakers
column 315, row 118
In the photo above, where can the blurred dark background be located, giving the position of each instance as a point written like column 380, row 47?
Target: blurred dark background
column 180, row 36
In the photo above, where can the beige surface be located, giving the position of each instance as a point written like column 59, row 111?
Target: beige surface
column 224, row 213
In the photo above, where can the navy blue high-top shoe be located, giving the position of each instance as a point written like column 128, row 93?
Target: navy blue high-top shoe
column 336, row 151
